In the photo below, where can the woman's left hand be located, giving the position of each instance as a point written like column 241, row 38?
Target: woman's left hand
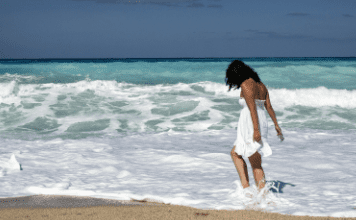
column 256, row 135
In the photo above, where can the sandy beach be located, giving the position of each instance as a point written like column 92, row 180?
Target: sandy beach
column 82, row 207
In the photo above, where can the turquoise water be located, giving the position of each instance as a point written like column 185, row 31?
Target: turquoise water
column 289, row 73
column 98, row 97
column 125, row 128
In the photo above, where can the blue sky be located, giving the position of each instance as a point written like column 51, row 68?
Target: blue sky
column 177, row 28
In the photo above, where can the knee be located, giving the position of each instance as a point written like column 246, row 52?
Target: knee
column 256, row 161
column 256, row 167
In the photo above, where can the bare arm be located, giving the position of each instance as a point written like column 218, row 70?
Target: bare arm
column 270, row 110
column 273, row 115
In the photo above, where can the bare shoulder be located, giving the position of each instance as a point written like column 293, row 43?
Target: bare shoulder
column 248, row 83
column 254, row 89
column 248, row 88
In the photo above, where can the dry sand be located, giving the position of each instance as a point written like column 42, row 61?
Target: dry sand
column 50, row 207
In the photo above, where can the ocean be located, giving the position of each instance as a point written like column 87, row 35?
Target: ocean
column 163, row 129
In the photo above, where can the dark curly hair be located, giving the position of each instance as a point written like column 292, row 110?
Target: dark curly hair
column 238, row 72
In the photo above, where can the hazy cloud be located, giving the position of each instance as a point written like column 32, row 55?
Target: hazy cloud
column 275, row 35
column 103, row 1
column 176, row 3
column 347, row 40
column 347, row 15
column 161, row 2
column 215, row 6
column 298, row 14
column 195, row 5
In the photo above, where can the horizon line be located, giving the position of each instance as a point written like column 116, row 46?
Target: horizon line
column 170, row 58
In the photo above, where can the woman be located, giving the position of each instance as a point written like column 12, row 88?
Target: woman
column 252, row 125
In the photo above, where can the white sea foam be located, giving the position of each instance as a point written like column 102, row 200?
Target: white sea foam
column 109, row 106
column 305, row 173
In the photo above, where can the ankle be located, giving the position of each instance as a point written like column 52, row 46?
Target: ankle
column 245, row 186
column 261, row 184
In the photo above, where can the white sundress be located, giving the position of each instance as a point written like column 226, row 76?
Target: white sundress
column 245, row 145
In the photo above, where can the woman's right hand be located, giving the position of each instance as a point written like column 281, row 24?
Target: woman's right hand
column 279, row 130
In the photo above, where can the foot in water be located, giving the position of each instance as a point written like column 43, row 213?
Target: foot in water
column 263, row 192
column 248, row 192
column 265, row 195
column 258, row 199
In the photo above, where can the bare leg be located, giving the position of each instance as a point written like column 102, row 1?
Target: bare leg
column 258, row 173
column 241, row 168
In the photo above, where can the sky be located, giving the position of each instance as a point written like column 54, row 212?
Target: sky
column 35, row 29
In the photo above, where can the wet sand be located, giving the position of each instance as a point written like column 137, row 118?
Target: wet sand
column 40, row 207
